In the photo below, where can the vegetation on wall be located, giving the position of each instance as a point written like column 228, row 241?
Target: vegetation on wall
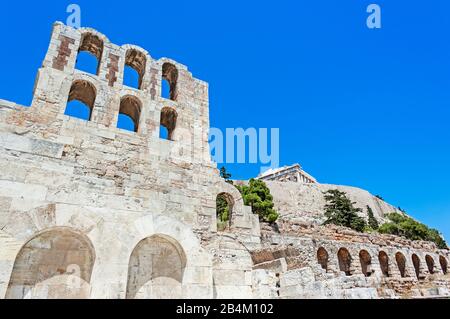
column 257, row 195
column 407, row 227
column 340, row 210
column 222, row 209
column 222, row 212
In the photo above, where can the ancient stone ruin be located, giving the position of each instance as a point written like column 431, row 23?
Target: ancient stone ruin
column 88, row 210
column 293, row 173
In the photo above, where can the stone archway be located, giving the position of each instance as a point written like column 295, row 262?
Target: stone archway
column 322, row 258
column 156, row 269
column 345, row 261
column 56, row 264
column 384, row 263
column 366, row 263
column 401, row 263
column 444, row 264
column 416, row 263
column 430, row 263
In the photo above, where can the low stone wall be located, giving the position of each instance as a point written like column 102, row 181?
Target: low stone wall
column 335, row 262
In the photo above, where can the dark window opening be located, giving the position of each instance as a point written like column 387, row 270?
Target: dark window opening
column 384, row 263
column 444, row 264
column 401, row 263
column 416, row 263
column 345, row 261
column 322, row 258
column 366, row 263
column 430, row 263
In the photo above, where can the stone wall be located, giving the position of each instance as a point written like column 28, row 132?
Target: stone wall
column 335, row 262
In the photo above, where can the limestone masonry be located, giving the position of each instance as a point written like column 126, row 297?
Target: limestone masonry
column 88, row 210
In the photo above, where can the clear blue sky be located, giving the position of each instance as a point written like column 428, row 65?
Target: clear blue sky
column 368, row 108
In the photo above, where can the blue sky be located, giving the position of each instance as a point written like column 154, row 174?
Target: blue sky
column 368, row 108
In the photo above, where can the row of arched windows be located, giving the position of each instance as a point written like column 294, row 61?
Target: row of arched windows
column 81, row 103
column 89, row 60
column 345, row 260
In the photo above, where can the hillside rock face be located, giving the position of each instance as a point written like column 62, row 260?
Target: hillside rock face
column 88, row 210
column 304, row 203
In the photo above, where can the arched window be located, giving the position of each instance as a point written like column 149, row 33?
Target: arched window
column 366, row 263
column 81, row 100
column 56, row 264
column 156, row 269
column 169, row 81
column 345, row 261
column 416, row 263
column 322, row 258
column 401, row 263
column 224, row 210
column 89, row 54
column 384, row 263
column 444, row 264
column 134, row 71
column 168, row 122
column 129, row 113
column 430, row 263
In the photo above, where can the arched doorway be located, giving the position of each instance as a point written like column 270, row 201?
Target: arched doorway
column 366, row 263
column 345, row 261
column 56, row 264
column 416, row 263
column 401, row 263
column 156, row 269
column 384, row 263
column 430, row 263
column 322, row 258
column 444, row 264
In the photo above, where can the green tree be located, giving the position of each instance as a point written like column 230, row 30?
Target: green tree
column 379, row 197
column 340, row 211
column 373, row 222
column 225, row 175
column 404, row 226
column 257, row 195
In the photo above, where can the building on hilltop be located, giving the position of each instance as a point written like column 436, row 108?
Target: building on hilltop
column 293, row 173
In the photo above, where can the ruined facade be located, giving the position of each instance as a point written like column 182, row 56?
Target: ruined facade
column 88, row 210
